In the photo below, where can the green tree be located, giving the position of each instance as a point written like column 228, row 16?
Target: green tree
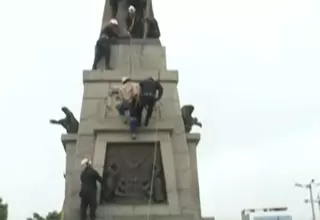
column 50, row 216
column 3, row 210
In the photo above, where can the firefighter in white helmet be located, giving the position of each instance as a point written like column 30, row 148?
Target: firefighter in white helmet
column 103, row 46
column 88, row 191
column 134, row 23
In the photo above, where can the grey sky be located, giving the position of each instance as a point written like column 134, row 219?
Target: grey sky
column 254, row 66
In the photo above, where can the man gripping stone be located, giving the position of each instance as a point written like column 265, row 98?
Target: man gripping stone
column 148, row 98
column 88, row 191
column 129, row 94
column 103, row 46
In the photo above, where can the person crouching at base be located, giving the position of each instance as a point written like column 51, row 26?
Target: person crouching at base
column 129, row 94
column 103, row 45
column 148, row 98
column 88, row 191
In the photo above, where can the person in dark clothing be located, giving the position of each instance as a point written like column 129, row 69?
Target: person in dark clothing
column 134, row 23
column 114, row 7
column 103, row 45
column 140, row 6
column 153, row 30
column 88, row 191
column 148, row 98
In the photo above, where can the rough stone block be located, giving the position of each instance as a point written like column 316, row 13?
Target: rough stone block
column 92, row 108
column 179, row 143
column 128, row 57
column 170, row 91
column 187, row 203
column 184, row 179
column 182, row 160
column 96, row 90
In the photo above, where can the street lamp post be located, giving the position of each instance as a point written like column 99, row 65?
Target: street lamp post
column 314, row 201
column 309, row 187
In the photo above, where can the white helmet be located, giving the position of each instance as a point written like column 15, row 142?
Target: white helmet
column 113, row 21
column 85, row 162
column 124, row 79
column 131, row 9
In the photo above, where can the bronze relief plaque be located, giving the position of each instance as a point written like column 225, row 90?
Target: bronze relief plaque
column 128, row 172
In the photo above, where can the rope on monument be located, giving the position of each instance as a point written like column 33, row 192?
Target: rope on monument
column 154, row 160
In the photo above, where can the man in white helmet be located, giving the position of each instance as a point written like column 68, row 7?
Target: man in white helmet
column 88, row 191
column 129, row 94
column 134, row 23
column 103, row 46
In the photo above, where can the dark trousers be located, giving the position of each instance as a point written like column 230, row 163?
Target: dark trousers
column 103, row 49
column 91, row 202
column 132, row 108
column 147, row 102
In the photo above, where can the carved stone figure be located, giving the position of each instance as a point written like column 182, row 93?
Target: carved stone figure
column 110, row 178
column 134, row 161
column 157, row 192
column 70, row 123
column 188, row 120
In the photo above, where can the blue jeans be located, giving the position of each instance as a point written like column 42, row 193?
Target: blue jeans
column 132, row 109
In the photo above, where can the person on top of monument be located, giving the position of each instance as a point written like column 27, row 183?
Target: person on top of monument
column 88, row 191
column 134, row 23
column 153, row 30
column 148, row 98
column 103, row 45
column 129, row 94
column 139, row 5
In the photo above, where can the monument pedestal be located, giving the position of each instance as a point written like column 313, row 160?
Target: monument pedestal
column 103, row 138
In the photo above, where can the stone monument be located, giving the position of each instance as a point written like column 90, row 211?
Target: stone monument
column 126, row 165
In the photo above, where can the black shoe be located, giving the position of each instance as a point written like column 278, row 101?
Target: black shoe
column 109, row 68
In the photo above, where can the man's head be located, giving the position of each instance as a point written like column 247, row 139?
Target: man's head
column 131, row 10
column 113, row 21
column 125, row 79
column 85, row 162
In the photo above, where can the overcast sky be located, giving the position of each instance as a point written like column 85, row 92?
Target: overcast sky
column 258, row 61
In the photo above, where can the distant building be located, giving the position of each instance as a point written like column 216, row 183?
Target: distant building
column 266, row 214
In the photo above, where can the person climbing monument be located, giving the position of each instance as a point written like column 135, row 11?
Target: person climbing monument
column 153, row 30
column 151, row 92
column 129, row 94
column 140, row 6
column 88, row 191
column 134, row 23
column 103, row 46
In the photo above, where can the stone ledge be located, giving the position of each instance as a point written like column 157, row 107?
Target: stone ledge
column 131, row 41
column 116, row 125
column 116, row 75
column 144, row 217
column 66, row 138
column 193, row 138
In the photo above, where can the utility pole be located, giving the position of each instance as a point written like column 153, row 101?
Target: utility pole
column 314, row 201
column 309, row 187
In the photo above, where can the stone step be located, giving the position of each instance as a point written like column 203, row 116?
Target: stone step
column 129, row 55
column 145, row 217
column 93, row 76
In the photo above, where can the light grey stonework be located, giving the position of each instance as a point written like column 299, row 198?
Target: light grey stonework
column 100, row 124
